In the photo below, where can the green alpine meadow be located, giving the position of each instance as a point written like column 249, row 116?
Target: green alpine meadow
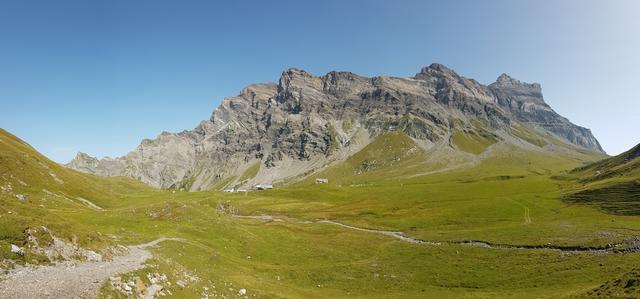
column 482, row 203
column 319, row 149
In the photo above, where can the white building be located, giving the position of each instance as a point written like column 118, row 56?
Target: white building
column 264, row 186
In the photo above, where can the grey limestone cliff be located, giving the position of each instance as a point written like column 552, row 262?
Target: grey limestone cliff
column 304, row 122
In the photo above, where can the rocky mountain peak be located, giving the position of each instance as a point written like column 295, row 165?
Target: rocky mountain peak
column 506, row 81
column 437, row 67
column 526, row 103
column 436, row 70
column 83, row 162
column 83, row 156
column 510, row 91
column 304, row 122
column 504, row 78
column 335, row 78
column 296, row 78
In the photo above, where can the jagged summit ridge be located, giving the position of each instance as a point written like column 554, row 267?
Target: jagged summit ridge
column 304, row 122
column 504, row 80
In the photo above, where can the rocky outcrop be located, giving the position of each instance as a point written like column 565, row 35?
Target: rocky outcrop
column 525, row 102
column 304, row 122
column 85, row 163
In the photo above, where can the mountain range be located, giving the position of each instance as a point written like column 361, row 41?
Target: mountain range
column 433, row 185
column 304, row 124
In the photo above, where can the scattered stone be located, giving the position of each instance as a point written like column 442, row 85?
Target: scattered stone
column 77, row 279
column 55, row 178
column 322, row 181
column 7, row 188
column 155, row 278
column 93, row 256
column 21, row 197
column 181, row 283
column 17, row 249
column 154, row 290
column 242, row 292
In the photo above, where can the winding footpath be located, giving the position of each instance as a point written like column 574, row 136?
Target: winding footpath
column 83, row 279
column 72, row 279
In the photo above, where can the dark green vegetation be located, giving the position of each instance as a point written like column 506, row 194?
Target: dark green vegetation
column 621, row 198
column 510, row 197
column 612, row 184
column 627, row 285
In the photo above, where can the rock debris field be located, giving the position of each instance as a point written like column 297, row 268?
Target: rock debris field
column 71, row 279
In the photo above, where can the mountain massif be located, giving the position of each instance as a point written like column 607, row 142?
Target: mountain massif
column 434, row 185
column 273, row 133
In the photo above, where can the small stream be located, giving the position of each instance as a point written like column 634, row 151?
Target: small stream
column 630, row 246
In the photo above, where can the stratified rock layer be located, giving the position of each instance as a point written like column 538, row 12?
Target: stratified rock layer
column 306, row 122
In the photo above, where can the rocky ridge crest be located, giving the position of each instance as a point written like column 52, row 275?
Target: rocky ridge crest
column 305, row 122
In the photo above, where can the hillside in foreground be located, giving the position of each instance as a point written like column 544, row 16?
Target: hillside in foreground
column 497, row 227
column 612, row 184
column 43, row 204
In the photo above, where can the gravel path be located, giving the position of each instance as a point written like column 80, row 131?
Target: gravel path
column 71, row 279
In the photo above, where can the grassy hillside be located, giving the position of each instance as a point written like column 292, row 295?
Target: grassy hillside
column 612, row 184
column 36, row 192
column 389, row 155
column 624, row 167
column 527, row 134
column 627, row 285
column 508, row 198
column 29, row 172
column 473, row 141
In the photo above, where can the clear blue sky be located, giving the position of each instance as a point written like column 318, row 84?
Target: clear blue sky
column 98, row 76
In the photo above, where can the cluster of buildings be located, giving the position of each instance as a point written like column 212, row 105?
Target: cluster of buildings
column 257, row 187
column 269, row 186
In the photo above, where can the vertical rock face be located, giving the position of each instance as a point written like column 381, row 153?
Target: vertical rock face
column 525, row 102
column 304, row 122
